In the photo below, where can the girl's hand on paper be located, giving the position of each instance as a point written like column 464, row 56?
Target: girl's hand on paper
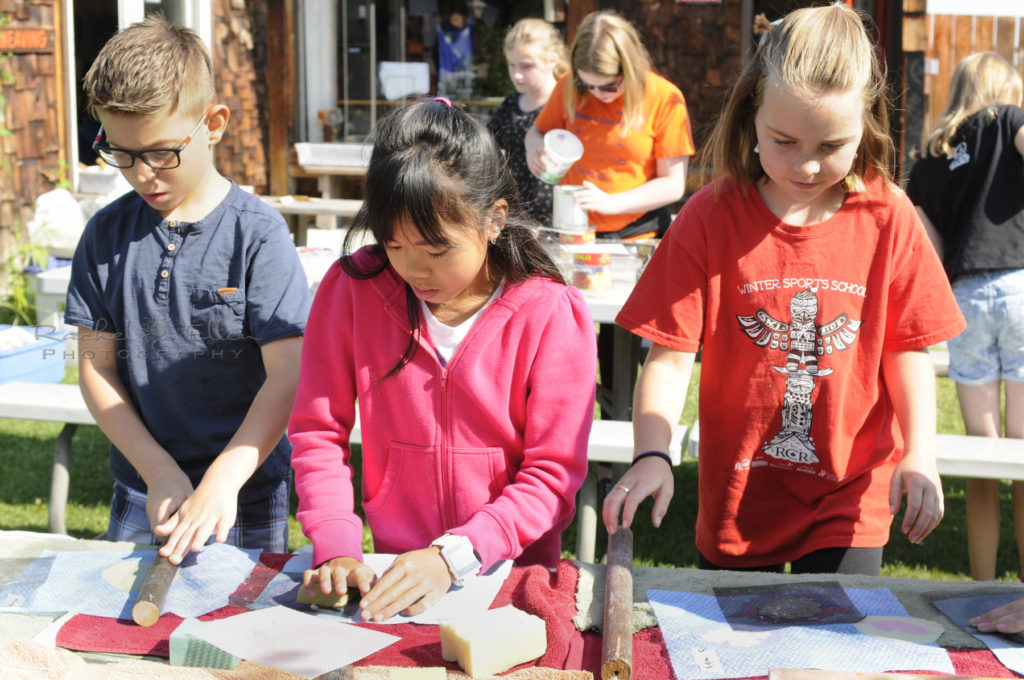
column 1006, row 619
column 414, row 581
column 337, row 575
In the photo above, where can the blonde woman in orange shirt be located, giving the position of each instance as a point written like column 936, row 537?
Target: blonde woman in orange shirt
column 633, row 124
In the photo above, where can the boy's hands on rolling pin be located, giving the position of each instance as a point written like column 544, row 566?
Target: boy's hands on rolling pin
column 414, row 581
column 337, row 575
column 919, row 477
column 209, row 511
column 164, row 496
column 651, row 476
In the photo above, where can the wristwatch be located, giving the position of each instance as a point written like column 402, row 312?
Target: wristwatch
column 458, row 554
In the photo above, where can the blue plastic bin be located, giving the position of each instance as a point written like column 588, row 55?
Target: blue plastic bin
column 39, row 361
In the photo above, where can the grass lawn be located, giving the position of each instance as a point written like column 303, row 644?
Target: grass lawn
column 26, row 454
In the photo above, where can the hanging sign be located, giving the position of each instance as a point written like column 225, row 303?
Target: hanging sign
column 26, row 40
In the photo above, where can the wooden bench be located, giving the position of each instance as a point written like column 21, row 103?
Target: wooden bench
column 54, row 403
column 611, row 443
column 958, row 455
column 311, row 206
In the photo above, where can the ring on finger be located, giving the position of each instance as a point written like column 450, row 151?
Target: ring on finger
column 624, row 488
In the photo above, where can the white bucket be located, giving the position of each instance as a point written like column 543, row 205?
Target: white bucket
column 567, row 215
column 561, row 149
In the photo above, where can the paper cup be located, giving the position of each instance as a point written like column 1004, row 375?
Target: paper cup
column 566, row 213
column 561, row 149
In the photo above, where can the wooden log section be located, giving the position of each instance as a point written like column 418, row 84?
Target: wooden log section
column 154, row 591
column 617, row 636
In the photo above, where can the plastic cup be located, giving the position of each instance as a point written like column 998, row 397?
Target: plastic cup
column 566, row 214
column 561, row 149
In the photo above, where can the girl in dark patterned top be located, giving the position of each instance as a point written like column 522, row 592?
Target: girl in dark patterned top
column 536, row 56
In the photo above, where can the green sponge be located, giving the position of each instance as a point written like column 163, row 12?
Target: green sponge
column 189, row 650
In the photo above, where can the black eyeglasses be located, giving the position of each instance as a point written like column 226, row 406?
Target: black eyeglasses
column 610, row 87
column 158, row 159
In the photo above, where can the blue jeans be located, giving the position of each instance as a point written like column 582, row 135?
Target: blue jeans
column 992, row 346
column 261, row 525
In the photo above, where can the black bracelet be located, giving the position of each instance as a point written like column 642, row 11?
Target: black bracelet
column 659, row 454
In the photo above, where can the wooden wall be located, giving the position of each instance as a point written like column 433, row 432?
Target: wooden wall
column 951, row 38
column 240, row 61
column 31, row 155
column 697, row 47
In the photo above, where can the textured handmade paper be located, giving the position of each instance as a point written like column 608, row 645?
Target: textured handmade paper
column 702, row 644
column 107, row 583
column 293, row 641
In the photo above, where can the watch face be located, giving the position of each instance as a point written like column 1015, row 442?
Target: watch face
column 458, row 553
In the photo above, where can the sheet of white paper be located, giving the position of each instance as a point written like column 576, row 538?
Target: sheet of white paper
column 292, row 641
column 1009, row 654
column 48, row 636
column 476, row 595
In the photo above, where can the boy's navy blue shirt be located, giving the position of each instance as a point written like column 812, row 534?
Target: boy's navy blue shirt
column 190, row 305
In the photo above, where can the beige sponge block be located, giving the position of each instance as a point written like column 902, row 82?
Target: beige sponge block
column 493, row 641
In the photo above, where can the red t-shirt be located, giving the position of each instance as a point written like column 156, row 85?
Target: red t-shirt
column 613, row 162
column 798, row 434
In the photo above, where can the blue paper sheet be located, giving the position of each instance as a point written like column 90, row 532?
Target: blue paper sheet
column 102, row 584
column 702, row 644
column 961, row 610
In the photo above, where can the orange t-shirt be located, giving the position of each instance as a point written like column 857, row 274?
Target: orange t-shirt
column 799, row 437
column 614, row 162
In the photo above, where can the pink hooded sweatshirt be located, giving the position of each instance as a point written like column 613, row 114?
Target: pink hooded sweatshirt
column 492, row 446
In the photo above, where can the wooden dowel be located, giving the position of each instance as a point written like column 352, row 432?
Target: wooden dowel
column 617, row 637
column 153, row 592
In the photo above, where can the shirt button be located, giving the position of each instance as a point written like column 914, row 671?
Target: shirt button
column 164, row 273
column 171, row 246
column 172, row 224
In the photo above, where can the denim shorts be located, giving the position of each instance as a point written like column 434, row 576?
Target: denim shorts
column 260, row 525
column 992, row 346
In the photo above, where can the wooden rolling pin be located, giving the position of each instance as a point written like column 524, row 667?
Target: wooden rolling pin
column 153, row 592
column 617, row 636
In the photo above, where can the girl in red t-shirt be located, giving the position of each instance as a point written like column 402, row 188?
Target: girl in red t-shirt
column 808, row 283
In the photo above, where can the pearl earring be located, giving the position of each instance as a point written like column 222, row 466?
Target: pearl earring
column 757, row 148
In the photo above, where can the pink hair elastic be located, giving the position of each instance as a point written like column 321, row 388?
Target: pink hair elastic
column 444, row 100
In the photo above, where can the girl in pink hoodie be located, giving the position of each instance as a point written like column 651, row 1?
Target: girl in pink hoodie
column 472, row 363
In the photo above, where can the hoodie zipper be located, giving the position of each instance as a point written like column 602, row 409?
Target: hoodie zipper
column 447, row 503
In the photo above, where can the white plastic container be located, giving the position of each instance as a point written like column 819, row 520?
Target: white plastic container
column 333, row 153
column 561, row 149
column 566, row 213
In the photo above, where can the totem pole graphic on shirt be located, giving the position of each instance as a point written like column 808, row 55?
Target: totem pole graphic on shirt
column 804, row 342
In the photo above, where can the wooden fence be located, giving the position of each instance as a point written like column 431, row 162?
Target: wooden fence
column 951, row 38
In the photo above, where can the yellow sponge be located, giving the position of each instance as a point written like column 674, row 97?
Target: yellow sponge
column 332, row 599
column 493, row 641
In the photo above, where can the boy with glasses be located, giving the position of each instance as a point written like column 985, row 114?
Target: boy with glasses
column 191, row 304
